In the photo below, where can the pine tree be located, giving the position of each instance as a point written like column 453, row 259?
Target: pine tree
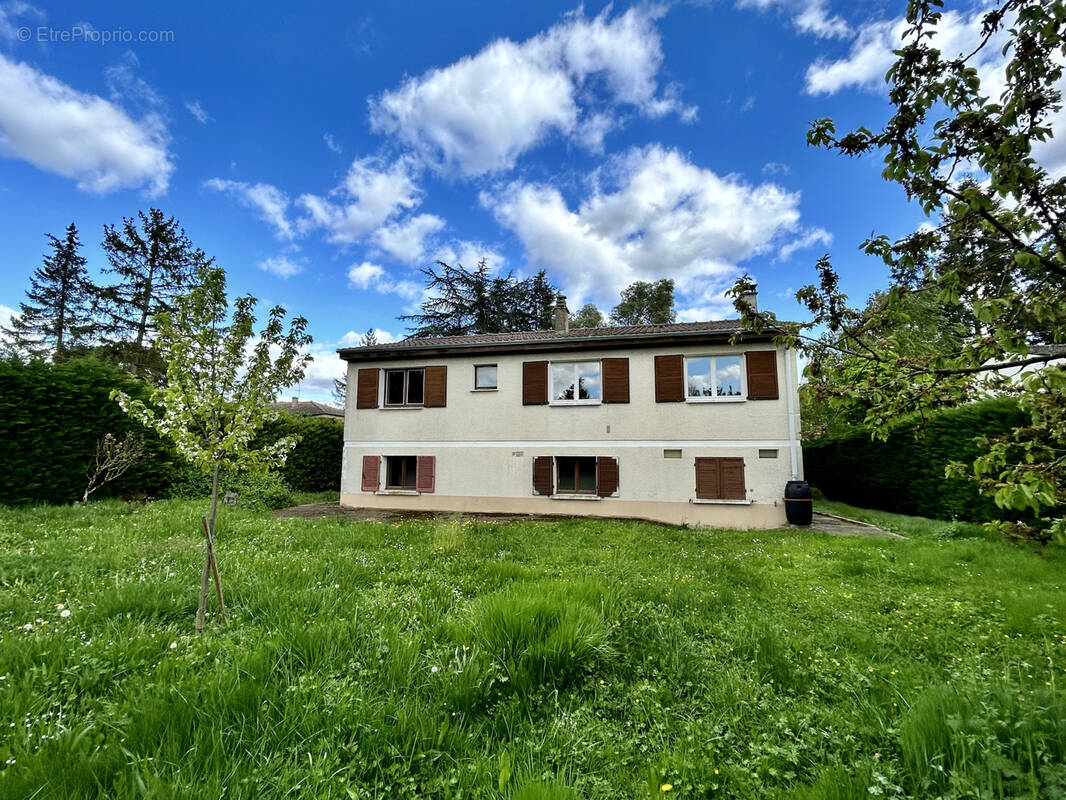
column 340, row 385
column 58, row 311
column 155, row 262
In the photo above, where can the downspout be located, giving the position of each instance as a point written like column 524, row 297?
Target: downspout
column 792, row 443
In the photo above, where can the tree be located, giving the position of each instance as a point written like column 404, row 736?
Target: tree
column 219, row 388
column 112, row 459
column 996, row 250
column 58, row 311
column 154, row 262
column 645, row 303
column 340, row 385
column 464, row 302
column 588, row 316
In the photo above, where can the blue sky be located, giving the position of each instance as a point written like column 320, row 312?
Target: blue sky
column 323, row 153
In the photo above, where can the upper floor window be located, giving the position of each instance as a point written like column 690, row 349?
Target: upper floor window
column 714, row 378
column 404, row 387
column 575, row 382
column 485, row 376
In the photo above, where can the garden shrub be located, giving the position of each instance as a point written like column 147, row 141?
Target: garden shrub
column 255, row 488
column 905, row 473
column 51, row 417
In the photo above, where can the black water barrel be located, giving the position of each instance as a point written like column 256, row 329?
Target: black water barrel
column 798, row 502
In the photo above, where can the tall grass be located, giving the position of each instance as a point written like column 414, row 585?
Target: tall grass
column 578, row 659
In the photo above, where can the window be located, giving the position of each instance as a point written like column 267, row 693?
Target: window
column 714, row 378
column 404, row 387
column 400, row 472
column 577, row 474
column 575, row 382
column 485, row 376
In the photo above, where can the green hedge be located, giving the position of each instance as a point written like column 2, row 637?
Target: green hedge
column 51, row 417
column 906, row 474
column 315, row 464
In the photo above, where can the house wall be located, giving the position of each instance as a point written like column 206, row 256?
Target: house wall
column 485, row 441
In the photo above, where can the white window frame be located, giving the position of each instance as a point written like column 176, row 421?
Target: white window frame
column 486, row 388
column 406, row 380
column 552, row 365
column 741, row 398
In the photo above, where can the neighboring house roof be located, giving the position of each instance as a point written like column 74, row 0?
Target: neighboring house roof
column 1057, row 350
column 309, row 408
column 573, row 339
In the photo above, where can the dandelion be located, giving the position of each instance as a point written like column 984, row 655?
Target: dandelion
column 666, row 787
column 434, row 670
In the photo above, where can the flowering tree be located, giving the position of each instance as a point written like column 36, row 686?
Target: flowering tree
column 220, row 382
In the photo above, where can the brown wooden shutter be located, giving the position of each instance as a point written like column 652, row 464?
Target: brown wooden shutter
column 367, row 392
column 669, row 379
column 425, row 476
column 606, row 476
column 371, row 472
column 732, row 472
column 543, row 480
column 436, row 395
column 708, row 479
column 616, row 380
column 535, row 383
column 762, row 374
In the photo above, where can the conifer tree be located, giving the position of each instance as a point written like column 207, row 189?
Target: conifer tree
column 57, row 314
column 154, row 262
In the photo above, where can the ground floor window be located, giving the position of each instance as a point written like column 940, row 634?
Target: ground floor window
column 401, row 472
column 577, row 474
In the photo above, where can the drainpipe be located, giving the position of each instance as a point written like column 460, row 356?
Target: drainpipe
column 793, row 445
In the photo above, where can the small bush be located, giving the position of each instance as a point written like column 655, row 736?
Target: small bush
column 314, row 465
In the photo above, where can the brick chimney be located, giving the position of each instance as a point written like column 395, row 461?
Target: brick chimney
column 562, row 314
column 751, row 300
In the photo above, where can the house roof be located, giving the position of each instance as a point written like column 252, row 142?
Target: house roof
column 573, row 339
column 309, row 408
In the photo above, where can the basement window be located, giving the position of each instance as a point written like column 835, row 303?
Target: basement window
column 400, row 472
column 576, row 474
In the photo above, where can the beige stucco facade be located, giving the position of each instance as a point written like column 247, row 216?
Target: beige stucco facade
column 484, row 442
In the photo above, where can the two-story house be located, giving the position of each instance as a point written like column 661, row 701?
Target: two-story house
column 662, row 422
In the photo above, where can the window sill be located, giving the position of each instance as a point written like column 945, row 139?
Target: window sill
column 402, row 408
column 572, row 403
column 715, row 399
column 486, row 389
column 405, row 492
column 721, row 502
column 576, row 497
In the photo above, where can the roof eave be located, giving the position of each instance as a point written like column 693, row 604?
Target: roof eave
column 549, row 345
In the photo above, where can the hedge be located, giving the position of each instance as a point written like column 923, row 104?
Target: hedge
column 905, row 473
column 51, row 417
column 315, row 464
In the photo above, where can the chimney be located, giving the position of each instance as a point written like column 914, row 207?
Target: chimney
column 751, row 300
column 562, row 314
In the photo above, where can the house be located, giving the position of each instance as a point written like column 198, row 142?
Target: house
column 664, row 422
column 309, row 408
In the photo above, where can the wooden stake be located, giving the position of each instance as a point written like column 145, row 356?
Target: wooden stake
column 214, row 567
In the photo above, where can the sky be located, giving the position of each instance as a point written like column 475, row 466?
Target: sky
column 325, row 153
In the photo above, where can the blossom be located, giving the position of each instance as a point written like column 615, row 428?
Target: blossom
column 65, row 612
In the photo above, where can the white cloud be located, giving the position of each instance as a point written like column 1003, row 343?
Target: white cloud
column 7, row 314
column 372, row 276
column 405, row 241
column 125, row 85
column 353, row 339
column 283, row 265
column 470, row 254
column 270, row 202
column 79, row 136
column 809, row 16
column 331, row 143
column 956, row 35
column 804, row 239
column 13, row 15
column 371, row 194
column 650, row 214
column 773, row 168
column 482, row 112
column 196, row 108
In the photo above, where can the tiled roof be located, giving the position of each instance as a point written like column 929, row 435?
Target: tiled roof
column 576, row 335
column 308, row 408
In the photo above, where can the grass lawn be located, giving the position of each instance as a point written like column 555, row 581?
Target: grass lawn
column 572, row 659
